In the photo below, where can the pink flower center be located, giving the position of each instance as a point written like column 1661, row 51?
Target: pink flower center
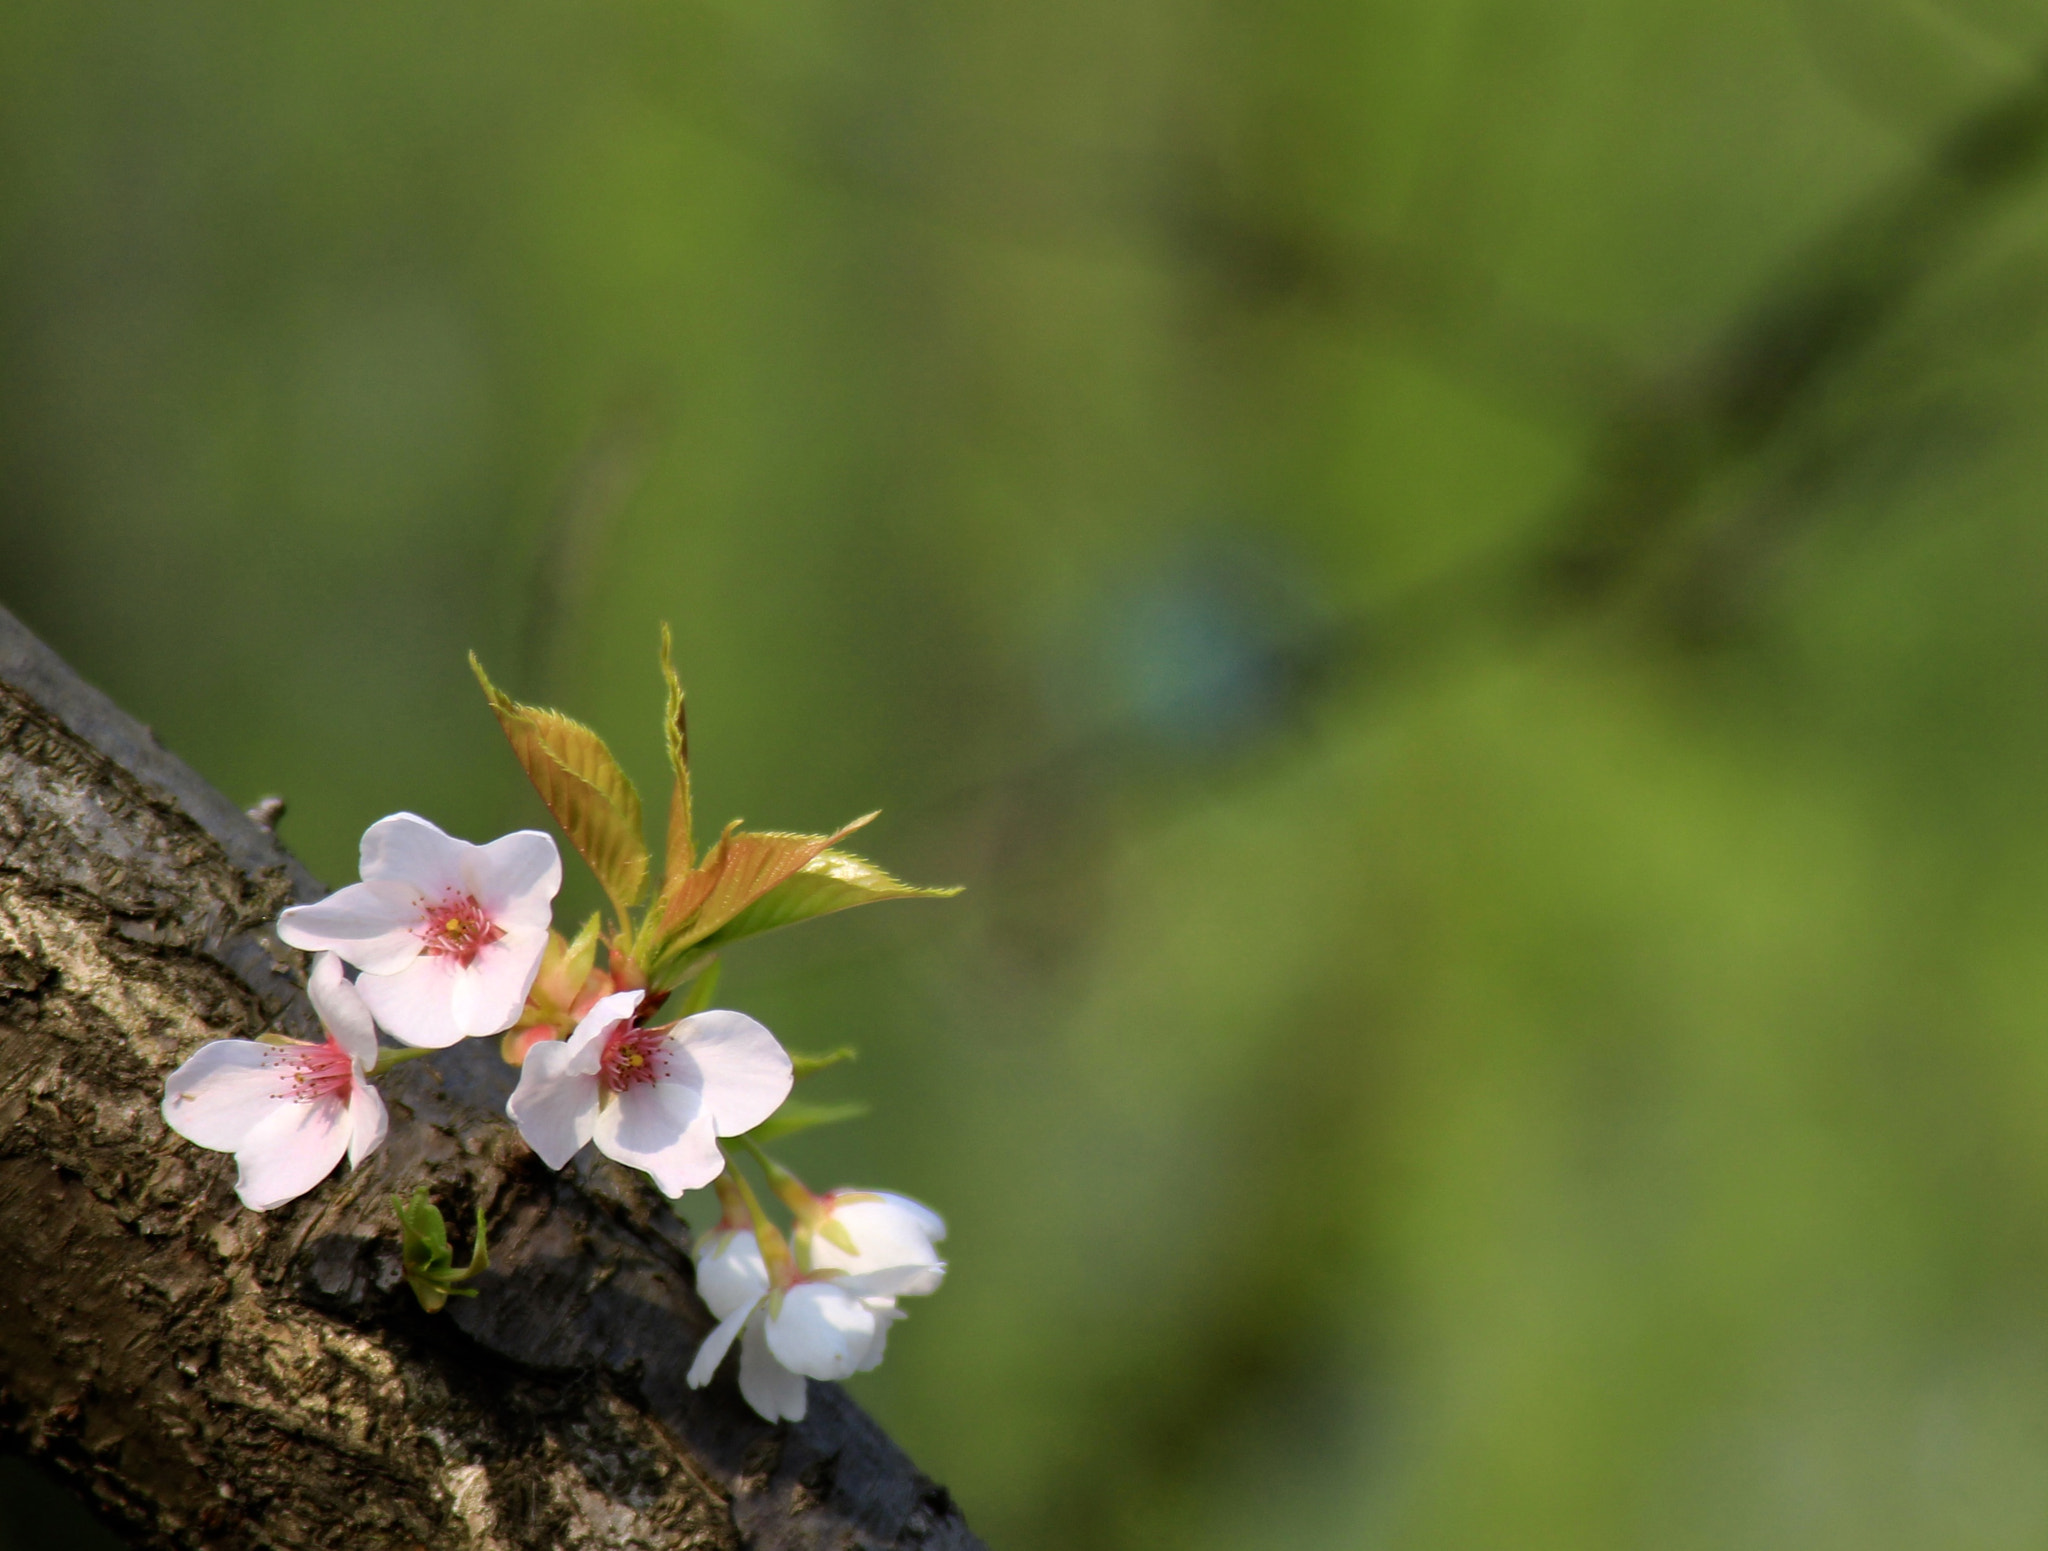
column 633, row 1055
column 457, row 928
column 314, row 1072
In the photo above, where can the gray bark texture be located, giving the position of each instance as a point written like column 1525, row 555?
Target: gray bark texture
column 209, row 1376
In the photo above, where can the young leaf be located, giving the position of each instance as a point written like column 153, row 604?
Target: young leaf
column 682, row 893
column 425, row 1242
column 580, row 953
column 428, row 1262
column 479, row 1254
column 805, row 1066
column 831, row 880
column 682, row 845
column 737, row 871
column 584, row 788
column 795, row 1115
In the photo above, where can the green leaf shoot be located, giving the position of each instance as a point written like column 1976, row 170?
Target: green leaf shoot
column 795, row 1116
column 424, row 1252
column 805, row 1066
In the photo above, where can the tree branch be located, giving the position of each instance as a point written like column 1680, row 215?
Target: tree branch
column 213, row 1377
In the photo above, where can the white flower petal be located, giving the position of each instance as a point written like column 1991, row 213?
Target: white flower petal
column 597, row 1023
column 225, row 1091
column 917, row 1281
column 372, row 925
column 490, row 992
column 887, row 1230
column 416, row 1005
column 745, row 1074
column 821, row 1331
column 886, row 1314
column 408, row 849
column 660, row 1127
column 367, row 1121
column 341, row 1010
column 515, row 878
column 650, row 1117
column 554, row 1106
column 295, row 1148
column 716, row 1345
column 771, row 1389
column 891, row 1281
column 733, row 1275
column 927, row 1221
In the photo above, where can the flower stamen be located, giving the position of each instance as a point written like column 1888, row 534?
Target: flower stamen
column 457, row 928
column 633, row 1055
column 315, row 1072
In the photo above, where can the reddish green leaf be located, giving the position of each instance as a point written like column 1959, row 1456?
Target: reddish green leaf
column 737, row 871
column 831, row 880
column 584, row 788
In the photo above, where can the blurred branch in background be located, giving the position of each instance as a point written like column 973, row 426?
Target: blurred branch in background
column 1170, row 205
column 1428, row 300
column 1667, row 440
column 1756, row 392
column 1783, row 354
column 1667, row 435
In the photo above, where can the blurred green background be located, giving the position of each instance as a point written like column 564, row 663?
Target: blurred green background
column 1463, row 581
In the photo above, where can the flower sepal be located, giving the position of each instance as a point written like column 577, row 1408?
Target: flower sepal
column 813, row 1214
column 568, row 986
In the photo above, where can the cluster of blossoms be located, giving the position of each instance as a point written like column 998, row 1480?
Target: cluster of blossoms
column 451, row 941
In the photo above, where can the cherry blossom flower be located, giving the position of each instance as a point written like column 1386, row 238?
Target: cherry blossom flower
column 829, row 1322
column 448, row 935
column 287, row 1112
column 653, row 1099
column 885, row 1230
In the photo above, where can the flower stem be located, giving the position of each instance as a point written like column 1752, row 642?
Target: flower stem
column 775, row 1253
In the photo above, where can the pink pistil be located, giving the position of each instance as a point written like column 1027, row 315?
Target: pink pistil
column 315, row 1072
column 633, row 1055
column 457, row 928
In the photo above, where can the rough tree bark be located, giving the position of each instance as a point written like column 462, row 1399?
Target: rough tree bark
column 212, row 1377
